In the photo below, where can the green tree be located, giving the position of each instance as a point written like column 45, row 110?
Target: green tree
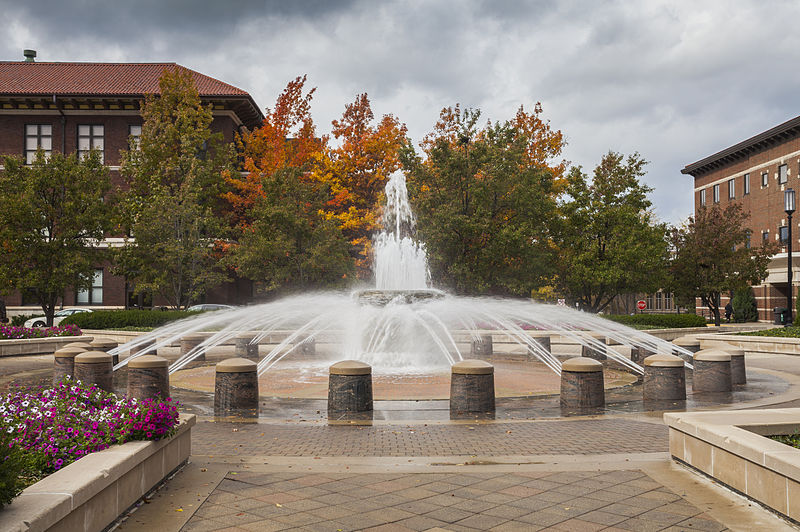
column 173, row 208
column 52, row 215
column 609, row 243
column 744, row 305
column 485, row 198
column 711, row 255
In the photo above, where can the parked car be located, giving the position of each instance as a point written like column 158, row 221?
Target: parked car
column 58, row 317
column 209, row 306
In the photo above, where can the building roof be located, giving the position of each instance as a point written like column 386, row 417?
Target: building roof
column 788, row 129
column 42, row 79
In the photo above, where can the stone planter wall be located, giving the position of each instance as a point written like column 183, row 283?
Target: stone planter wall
column 730, row 447
column 38, row 346
column 92, row 492
column 751, row 344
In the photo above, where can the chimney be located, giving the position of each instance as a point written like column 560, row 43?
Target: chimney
column 30, row 55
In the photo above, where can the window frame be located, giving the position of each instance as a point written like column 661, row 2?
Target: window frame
column 93, row 291
column 39, row 137
column 92, row 140
column 716, row 193
column 783, row 234
column 703, row 198
column 746, row 187
column 134, row 140
column 783, row 174
column 764, row 179
column 731, row 189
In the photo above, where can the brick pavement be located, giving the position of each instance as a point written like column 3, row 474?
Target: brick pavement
column 530, row 501
column 588, row 436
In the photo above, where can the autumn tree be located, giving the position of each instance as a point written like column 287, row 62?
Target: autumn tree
column 284, row 240
column 356, row 169
column 712, row 256
column 176, row 176
column 485, row 198
column 53, row 214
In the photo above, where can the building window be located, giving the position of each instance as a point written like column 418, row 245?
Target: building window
column 37, row 136
column 783, row 173
column 783, row 234
column 764, row 179
column 658, row 300
column 703, row 197
column 90, row 137
column 746, row 180
column 94, row 295
column 765, row 236
column 747, row 241
column 716, row 193
column 649, row 301
column 135, row 135
column 731, row 188
column 668, row 301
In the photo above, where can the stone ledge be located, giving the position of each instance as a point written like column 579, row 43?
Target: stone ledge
column 92, row 492
column 751, row 344
column 38, row 346
column 729, row 446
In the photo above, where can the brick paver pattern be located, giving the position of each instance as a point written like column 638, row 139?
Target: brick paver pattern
column 594, row 436
column 567, row 501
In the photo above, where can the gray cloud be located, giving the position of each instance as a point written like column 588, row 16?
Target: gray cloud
column 674, row 80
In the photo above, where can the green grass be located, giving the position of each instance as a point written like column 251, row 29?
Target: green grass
column 777, row 332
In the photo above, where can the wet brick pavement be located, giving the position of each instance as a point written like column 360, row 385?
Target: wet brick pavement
column 529, row 501
column 588, row 436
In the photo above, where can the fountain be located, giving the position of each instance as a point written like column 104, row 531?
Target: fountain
column 402, row 327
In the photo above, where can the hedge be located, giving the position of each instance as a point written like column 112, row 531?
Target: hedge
column 661, row 321
column 117, row 319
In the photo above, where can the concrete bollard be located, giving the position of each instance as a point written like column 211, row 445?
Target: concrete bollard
column 244, row 348
column 95, row 367
column 471, row 388
column 349, row 388
column 64, row 362
column 688, row 342
column 543, row 342
column 638, row 354
column 596, row 352
column 105, row 345
column 146, row 347
column 712, row 371
column 482, row 346
column 236, row 388
column 191, row 341
column 84, row 345
column 148, row 377
column 738, row 369
column 664, row 378
column 582, row 383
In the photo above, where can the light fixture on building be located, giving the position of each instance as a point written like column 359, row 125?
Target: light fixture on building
column 789, row 207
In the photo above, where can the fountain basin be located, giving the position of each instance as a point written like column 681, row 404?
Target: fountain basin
column 381, row 298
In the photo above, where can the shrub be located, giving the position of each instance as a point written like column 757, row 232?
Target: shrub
column 10, row 332
column 13, row 464
column 662, row 321
column 776, row 332
column 744, row 306
column 20, row 319
column 118, row 319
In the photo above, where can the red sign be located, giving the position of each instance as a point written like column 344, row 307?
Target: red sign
column 641, row 304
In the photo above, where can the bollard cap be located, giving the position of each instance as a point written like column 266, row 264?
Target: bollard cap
column 734, row 352
column 472, row 367
column 69, row 352
column 194, row 337
column 712, row 355
column 148, row 361
column 688, row 340
column 93, row 357
column 237, row 365
column 246, row 336
column 83, row 345
column 350, row 367
column 664, row 360
column 103, row 343
column 582, row 365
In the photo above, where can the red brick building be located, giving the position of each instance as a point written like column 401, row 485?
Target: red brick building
column 755, row 172
column 64, row 107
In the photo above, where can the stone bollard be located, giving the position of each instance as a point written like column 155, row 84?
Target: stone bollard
column 245, row 348
column 148, row 377
column 596, row 352
column 189, row 342
column 64, row 362
column 543, row 342
column 307, row 346
column 236, row 388
column 664, row 378
column 688, row 342
column 84, row 345
column 471, row 388
column 105, row 345
column 143, row 348
column 349, row 388
column 638, row 354
column 738, row 369
column 482, row 346
column 582, row 383
column 95, row 367
column 712, row 371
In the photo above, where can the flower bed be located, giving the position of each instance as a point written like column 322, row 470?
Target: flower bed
column 11, row 332
column 56, row 426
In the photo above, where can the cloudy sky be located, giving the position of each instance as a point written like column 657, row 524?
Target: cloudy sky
column 673, row 80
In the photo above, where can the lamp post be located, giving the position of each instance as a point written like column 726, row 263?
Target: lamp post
column 789, row 207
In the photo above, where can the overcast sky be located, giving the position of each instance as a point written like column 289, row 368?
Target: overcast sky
column 674, row 80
